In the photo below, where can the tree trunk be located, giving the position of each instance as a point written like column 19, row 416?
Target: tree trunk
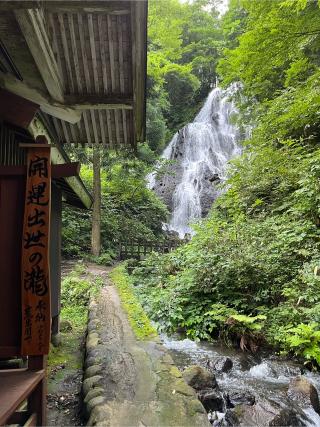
column 96, row 213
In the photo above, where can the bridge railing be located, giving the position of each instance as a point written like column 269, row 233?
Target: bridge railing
column 139, row 249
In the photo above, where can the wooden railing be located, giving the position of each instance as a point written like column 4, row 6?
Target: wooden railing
column 139, row 249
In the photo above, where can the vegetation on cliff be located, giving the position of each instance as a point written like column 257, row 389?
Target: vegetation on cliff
column 251, row 272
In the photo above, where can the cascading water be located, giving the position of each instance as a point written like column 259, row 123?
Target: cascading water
column 200, row 152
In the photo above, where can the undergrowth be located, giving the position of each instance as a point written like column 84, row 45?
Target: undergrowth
column 76, row 291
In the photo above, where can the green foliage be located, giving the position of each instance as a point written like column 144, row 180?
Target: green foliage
column 248, row 273
column 138, row 320
column 129, row 211
column 106, row 258
column 184, row 40
column 76, row 290
column 304, row 341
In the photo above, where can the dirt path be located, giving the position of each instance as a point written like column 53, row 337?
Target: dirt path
column 132, row 383
column 138, row 382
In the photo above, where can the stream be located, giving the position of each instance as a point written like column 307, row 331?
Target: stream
column 266, row 377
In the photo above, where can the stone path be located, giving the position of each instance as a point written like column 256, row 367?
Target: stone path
column 129, row 382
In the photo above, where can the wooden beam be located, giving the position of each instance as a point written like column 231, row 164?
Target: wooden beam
column 33, row 29
column 99, row 102
column 16, row 110
column 102, row 106
column 12, row 84
column 139, row 11
column 93, row 6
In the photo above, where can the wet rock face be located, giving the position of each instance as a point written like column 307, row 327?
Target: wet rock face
column 209, row 191
column 301, row 390
column 166, row 184
column 199, row 378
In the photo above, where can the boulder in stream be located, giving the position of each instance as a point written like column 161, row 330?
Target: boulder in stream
column 238, row 397
column 212, row 400
column 199, row 378
column 221, row 364
column 266, row 414
column 302, row 391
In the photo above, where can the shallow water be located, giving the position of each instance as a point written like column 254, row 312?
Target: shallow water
column 266, row 376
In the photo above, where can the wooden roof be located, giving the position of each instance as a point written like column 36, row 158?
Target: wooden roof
column 83, row 62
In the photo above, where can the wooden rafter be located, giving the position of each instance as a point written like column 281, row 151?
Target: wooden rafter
column 102, row 6
column 32, row 27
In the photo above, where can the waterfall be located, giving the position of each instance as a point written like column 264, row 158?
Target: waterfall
column 199, row 153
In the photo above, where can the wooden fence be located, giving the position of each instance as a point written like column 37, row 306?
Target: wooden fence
column 139, row 249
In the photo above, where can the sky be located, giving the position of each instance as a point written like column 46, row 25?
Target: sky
column 222, row 5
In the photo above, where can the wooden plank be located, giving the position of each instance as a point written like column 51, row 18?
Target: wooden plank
column 116, row 121
column 84, row 53
column 103, row 54
column 109, row 127
column 15, row 387
column 111, row 54
column 75, row 53
column 65, row 131
column 121, row 69
column 94, row 126
column 35, row 277
column 83, row 107
column 124, row 125
column 16, row 110
column 52, row 27
column 139, row 65
column 87, row 129
column 93, row 53
column 33, row 29
column 98, row 6
column 58, row 128
column 73, row 130
column 120, row 53
column 102, row 102
column 102, row 128
column 66, row 51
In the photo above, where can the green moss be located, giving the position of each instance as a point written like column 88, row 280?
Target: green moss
column 75, row 296
column 69, row 351
column 138, row 319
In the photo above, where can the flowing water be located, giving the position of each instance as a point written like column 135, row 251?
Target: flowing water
column 201, row 150
column 266, row 377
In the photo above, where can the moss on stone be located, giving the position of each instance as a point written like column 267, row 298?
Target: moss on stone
column 138, row 319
